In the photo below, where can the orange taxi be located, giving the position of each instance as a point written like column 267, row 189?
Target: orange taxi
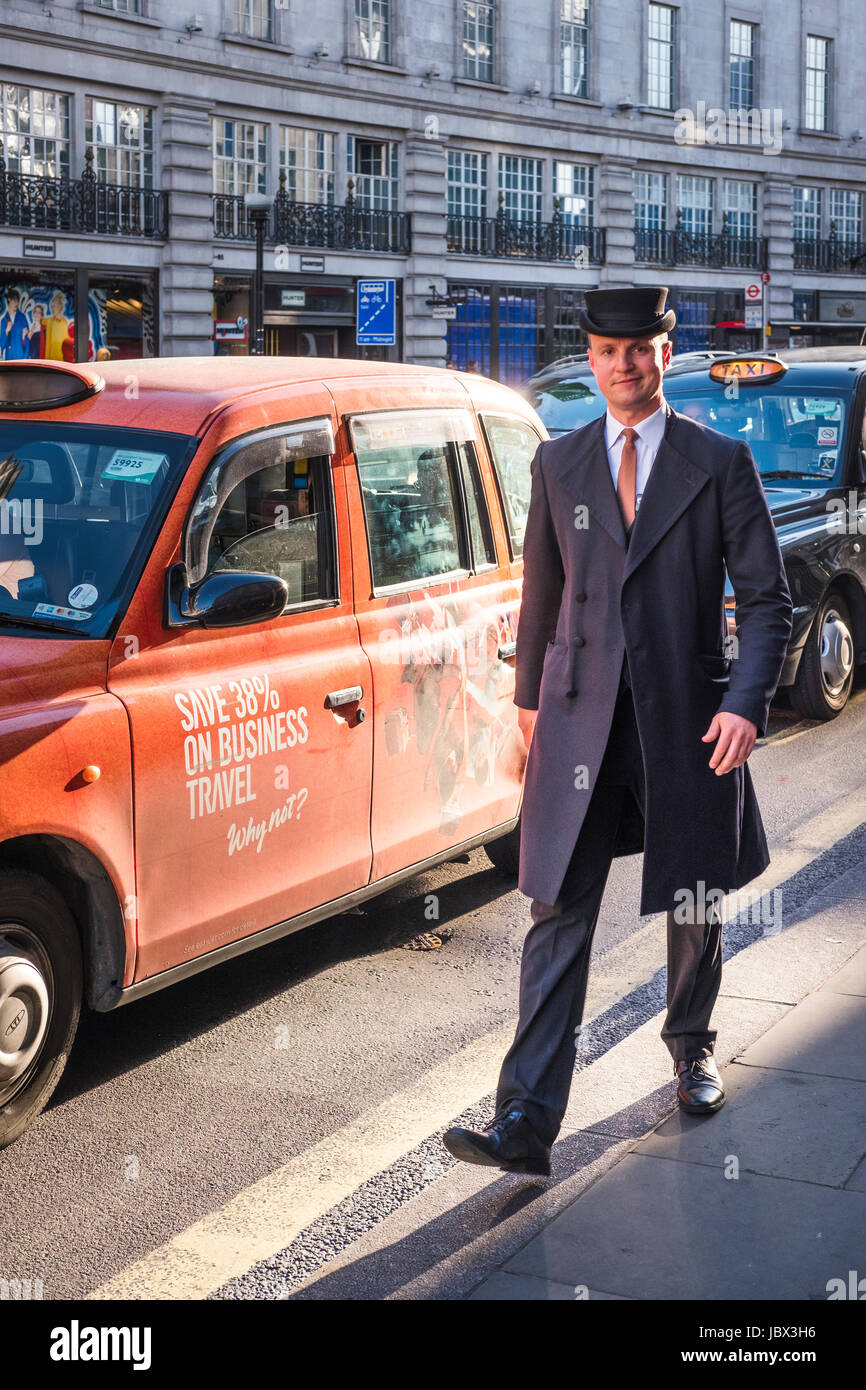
column 257, row 621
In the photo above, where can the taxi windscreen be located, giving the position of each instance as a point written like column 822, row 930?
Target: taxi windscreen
column 792, row 434
column 80, row 507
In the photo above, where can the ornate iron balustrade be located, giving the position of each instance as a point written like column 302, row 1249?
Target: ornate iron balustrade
column 325, row 226
column 40, row 203
column 829, row 253
column 502, row 237
column 661, row 246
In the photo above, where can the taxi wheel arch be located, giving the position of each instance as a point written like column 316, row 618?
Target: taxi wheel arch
column 41, row 983
column 825, row 675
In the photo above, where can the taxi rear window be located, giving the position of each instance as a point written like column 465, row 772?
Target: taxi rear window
column 79, row 510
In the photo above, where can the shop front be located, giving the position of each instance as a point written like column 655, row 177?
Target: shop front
column 715, row 319
column 823, row 318
column 304, row 316
column 67, row 313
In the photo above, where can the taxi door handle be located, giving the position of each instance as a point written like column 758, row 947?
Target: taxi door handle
column 335, row 698
column 506, row 650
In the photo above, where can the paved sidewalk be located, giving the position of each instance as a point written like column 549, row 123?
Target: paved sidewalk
column 764, row 1200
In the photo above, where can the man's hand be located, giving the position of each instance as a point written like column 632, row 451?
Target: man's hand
column 526, row 723
column 736, row 739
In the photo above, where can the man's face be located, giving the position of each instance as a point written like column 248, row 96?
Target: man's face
column 629, row 370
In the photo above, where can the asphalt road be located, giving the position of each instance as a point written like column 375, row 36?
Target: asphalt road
column 319, row 1071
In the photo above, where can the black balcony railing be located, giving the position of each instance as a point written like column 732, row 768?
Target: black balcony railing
column 715, row 249
column 60, row 204
column 829, row 253
column 326, row 226
column 502, row 237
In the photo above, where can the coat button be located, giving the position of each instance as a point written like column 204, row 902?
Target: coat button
column 581, row 598
column 580, row 641
column 571, row 694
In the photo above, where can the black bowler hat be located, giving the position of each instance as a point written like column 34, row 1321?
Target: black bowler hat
column 627, row 313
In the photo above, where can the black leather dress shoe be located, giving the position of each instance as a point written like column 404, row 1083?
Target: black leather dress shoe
column 700, row 1090
column 510, row 1144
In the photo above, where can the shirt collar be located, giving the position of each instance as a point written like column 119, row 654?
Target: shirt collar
column 649, row 431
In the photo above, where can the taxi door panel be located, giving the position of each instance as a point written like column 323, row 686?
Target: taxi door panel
column 437, row 611
column 252, row 796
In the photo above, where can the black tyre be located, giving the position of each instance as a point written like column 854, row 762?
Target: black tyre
column 826, row 672
column 40, row 996
column 504, row 852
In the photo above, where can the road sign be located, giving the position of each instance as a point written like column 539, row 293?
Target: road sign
column 376, row 313
column 754, row 292
column 765, row 277
column 754, row 316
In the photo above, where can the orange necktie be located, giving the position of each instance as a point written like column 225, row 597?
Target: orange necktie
column 627, row 477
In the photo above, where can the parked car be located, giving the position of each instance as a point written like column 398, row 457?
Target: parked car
column 257, row 620
column 802, row 414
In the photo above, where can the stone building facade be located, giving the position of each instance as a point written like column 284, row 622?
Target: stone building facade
column 486, row 160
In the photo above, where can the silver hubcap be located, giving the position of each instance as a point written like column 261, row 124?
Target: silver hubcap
column 25, row 1010
column 837, row 653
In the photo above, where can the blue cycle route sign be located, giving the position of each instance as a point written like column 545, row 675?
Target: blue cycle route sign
column 376, row 316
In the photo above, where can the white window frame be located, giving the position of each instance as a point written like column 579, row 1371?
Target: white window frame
column 573, row 185
column 467, row 183
column 816, row 82
column 375, row 44
column 574, row 53
column 479, row 24
column 315, row 173
column 661, row 56
column 846, row 214
column 646, row 182
column 253, row 19
column 523, row 200
column 252, row 135
column 47, row 109
column 743, row 47
column 735, row 194
column 694, row 194
column 375, row 192
column 115, row 161
column 807, row 221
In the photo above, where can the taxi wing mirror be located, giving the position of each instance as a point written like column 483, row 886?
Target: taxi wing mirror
column 226, row 598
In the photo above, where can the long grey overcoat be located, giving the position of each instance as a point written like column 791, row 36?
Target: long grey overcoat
column 587, row 598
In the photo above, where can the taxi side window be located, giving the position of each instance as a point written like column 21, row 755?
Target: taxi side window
column 512, row 444
column 271, row 512
column 423, row 501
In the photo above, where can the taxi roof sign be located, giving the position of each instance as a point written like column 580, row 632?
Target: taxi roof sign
column 39, row 385
column 747, row 369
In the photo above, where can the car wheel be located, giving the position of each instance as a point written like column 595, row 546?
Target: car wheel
column 504, row 852
column 826, row 672
column 40, row 996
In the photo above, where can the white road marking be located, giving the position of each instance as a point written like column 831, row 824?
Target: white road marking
column 264, row 1218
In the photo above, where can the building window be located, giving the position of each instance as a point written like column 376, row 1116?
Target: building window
column 817, row 113
column 695, row 203
column 373, row 164
column 660, row 57
column 254, row 19
column 309, row 160
column 650, row 201
column 467, row 184
column 373, row 30
column 240, row 156
column 574, row 47
column 121, row 6
column 807, row 213
column 740, row 208
column 479, row 21
column 846, row 214
column 573, row 186
column 742, row 60
column 36, row 132
column 121, row 138
column 520, row 184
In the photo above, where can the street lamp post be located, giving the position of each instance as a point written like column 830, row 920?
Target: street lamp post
column 258, row 208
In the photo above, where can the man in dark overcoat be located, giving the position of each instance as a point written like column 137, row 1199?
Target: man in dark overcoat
column 637, row 719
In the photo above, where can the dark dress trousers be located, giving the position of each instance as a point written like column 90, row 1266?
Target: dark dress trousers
column 620, row 648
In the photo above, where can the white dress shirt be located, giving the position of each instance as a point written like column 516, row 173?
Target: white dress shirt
column 649, row 437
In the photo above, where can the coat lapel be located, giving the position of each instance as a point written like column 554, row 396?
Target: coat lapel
column 590, row 484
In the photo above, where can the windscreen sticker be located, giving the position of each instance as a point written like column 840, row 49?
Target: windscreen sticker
column 826, row 434
column 82, row 596
column 51, row 610
column 136, row 466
